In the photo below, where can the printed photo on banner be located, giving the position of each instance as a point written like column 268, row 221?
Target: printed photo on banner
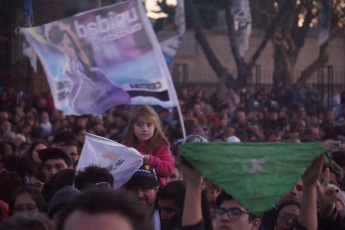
column 101, row 58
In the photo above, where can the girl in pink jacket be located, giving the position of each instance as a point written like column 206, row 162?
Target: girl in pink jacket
column 146, row 135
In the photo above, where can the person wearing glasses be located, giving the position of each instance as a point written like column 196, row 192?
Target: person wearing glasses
column 26, row 199
column 73, row 149
column 286, row 215
column 230, row 214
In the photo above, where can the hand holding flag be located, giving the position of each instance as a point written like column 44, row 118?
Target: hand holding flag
column 256, row 174
column 121, row 161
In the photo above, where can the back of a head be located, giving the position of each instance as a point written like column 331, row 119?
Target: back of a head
column 91, row 175
column 108, row 201
column 61, row 199
column 36, row 221
column 63, row 136
column 61, row 179
column 175, row 191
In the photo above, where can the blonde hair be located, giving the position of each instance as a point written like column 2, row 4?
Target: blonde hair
column 157, row 140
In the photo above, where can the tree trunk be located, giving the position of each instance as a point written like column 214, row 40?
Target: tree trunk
column 283, row 65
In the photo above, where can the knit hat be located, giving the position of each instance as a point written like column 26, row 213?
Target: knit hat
column 195, row 138
column 62, row 197
column 145, row 176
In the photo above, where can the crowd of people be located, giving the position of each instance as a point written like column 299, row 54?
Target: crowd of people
column 40, row 148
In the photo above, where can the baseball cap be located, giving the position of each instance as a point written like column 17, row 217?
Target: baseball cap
column 51, row 153
column 145, row 176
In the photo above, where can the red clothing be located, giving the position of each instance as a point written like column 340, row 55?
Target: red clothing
column 161, row 160
column 4, row 210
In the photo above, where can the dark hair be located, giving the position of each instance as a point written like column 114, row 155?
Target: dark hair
column 78, row 129
column 34, row 193
column 63, row 135
column 39, row 175
column 223, row 196
column 96, row 201
column 91, row 175
column 175, row 190
column 55, row 156
column 59, row 180
column 281, row 206
column 33, row 145
column 74, row 143
column 36, row 221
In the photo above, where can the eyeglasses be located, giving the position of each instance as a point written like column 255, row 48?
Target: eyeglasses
column 233, row 213
column 285, row 217
column 29, row 208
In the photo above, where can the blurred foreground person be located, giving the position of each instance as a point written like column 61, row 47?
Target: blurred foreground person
column 105, row 209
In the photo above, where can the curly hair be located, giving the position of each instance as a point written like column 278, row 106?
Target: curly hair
column 91, row 175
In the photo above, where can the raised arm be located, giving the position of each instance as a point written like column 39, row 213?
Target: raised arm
column 308, row 212
column 192, row 211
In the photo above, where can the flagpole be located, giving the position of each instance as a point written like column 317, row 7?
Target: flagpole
column 181, row 120
column 158, row 51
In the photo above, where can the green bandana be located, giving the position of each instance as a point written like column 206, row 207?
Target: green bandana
column 255, row 174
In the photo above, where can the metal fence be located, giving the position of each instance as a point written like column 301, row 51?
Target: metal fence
column 183, row 75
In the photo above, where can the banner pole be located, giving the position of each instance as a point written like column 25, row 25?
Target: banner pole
column 181, row 120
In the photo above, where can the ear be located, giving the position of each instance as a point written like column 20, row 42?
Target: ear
column 255, row 224
column 156, row 190
column 218, row 190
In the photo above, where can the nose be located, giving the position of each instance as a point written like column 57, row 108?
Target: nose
column 289, row 221
column 139, row 193
column 293, row 190
column 164, row 215
column 225, row 217
column 54, row 171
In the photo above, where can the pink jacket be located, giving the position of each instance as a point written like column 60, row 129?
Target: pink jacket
column 161, row 160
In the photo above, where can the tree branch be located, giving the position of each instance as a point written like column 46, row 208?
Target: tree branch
column 203, row 42
column 321, row 59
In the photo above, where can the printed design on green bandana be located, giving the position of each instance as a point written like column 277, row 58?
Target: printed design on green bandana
column 253, row 166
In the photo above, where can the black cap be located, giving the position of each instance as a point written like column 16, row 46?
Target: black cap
column 145, row 176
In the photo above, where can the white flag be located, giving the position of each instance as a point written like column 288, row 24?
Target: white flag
column 121, row 161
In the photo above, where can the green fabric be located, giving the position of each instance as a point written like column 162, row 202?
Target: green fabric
column 256, row 174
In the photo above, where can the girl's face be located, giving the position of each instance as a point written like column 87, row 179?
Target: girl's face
column 287, row 217
column 144, row 128
column 37, row 148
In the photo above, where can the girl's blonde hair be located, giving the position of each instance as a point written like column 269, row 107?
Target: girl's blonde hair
column 157, row 140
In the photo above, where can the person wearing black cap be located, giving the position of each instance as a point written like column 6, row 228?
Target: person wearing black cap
column 54, row 160
column 144, row 185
